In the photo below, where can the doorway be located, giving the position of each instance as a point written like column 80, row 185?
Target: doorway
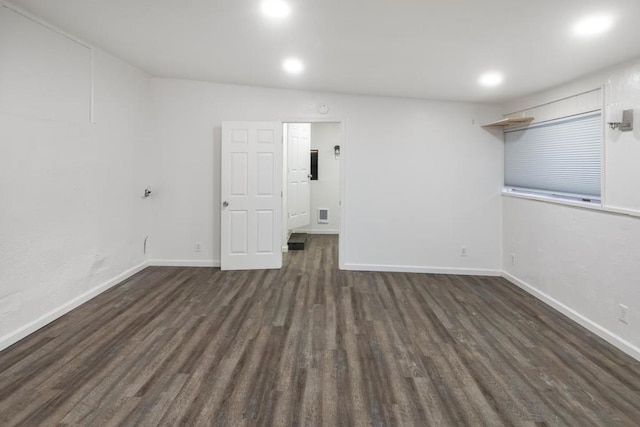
column 311, row 181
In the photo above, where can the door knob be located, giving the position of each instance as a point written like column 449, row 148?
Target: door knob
column 309, row 176
column 225, row 204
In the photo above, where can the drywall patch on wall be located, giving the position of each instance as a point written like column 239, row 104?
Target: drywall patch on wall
column 72, row 214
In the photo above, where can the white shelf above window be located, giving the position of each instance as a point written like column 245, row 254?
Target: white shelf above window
column 510, row 121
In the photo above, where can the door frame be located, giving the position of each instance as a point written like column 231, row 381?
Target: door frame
column 343, row 182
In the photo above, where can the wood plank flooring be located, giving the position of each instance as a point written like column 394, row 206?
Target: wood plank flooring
column 312, row 345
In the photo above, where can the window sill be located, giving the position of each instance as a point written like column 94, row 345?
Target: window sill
column 575, row 204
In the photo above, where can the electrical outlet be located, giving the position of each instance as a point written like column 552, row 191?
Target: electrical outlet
column 463, row 251
column 623, row 313
column 513, row 259
column 198, row 246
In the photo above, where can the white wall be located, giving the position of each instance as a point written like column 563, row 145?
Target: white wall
column 422, row 177
column 72, row 220
column 325, row 191
column 586, row 262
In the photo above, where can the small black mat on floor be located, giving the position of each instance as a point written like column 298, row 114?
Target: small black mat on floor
column 296, row 241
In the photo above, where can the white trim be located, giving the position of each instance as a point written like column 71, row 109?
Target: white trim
column 600, row 331
column 92, row 93
column 580, row 205
column 579, row 199
column 564, row 98
column 184, row 263
column 342, row 241
column 15, row 336
column 420, row 269
column 317, row 231
column 603, row 149
column 556, row 120
column 314, row 119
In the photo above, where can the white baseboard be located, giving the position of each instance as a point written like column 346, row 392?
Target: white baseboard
column 15, row 336
column 183, row 263
column 419, row 269
column 318, row 231
column 600, row 331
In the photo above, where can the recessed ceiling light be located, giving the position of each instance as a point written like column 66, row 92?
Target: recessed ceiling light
column 276, row 8
column 293, row 66
column 593, row 25
column 491, row 79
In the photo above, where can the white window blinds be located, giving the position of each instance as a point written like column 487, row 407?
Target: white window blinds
column 562, row 157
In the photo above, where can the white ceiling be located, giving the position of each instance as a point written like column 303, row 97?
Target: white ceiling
column 409, row 48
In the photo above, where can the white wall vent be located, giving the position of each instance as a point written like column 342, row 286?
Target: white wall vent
column 323, row 216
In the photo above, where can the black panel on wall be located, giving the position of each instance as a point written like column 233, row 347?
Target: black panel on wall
column 314, row 165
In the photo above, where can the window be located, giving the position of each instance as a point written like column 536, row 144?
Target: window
column 314, row 165
column 561, row 158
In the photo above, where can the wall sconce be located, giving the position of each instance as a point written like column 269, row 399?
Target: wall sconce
column 336, row 151
column 626, row 124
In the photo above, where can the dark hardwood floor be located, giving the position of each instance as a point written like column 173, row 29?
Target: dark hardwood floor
column 312, row 345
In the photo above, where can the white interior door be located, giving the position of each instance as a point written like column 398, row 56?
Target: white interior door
column 251, row 216
column 298, row 174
